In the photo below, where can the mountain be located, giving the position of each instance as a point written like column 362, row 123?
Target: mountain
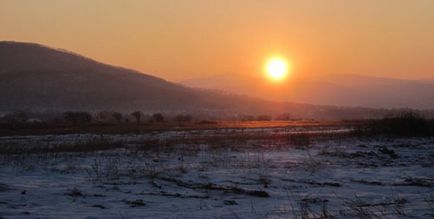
column 34, row 77
column 38, row 78
column 337, row 89
column 429, row 80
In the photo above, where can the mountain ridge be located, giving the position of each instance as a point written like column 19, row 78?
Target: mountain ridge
column 37, row 78
column 338, row 89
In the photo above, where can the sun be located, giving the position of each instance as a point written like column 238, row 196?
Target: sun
column 276, row 69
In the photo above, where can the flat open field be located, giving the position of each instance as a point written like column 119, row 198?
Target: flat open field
column 258, row 171
column 126, row 128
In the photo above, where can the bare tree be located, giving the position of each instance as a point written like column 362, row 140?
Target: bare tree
column 157, row 117
column 117, row 116
column 284, row 116
column 137, row 115
column 180, row 118
column 102, row 116
column 264, row 117
column 77, row 117
column 16, row 117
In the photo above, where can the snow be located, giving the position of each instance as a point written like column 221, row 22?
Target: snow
column 339, row 177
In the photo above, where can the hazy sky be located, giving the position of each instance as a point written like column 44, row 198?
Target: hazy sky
column 183, row 39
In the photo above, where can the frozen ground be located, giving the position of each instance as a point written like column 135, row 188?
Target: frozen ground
column 257, row 173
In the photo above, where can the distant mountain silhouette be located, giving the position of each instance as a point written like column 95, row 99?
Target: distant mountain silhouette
column 37, row 78
column 430, row 80
column 338, row 89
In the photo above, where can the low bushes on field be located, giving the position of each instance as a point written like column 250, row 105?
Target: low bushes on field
column 405, row 124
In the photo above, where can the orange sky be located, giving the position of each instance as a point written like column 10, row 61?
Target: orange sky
column 183, row 39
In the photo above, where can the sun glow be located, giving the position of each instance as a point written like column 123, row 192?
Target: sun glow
column 276, row 69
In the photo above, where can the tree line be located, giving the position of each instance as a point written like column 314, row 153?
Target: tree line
column 82, row 117
column 108, row 117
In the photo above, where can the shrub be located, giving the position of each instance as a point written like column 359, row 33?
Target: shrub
column 183, row 118
column 284, row 117
column 300, row 140
column 264, row 118
column 137, row 115
column 77, row 117
column 117, row 116
column 157, row 117
column 405, row 124
column 81, row 147
column 247, row 118
column 15, row 117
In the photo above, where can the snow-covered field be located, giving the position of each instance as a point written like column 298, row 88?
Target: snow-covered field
column 229, row 173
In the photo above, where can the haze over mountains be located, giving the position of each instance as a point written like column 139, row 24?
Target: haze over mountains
column 338, row 89
column 37, row 78
column 430, row 80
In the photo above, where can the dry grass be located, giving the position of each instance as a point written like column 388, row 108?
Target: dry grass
column 85, row 147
